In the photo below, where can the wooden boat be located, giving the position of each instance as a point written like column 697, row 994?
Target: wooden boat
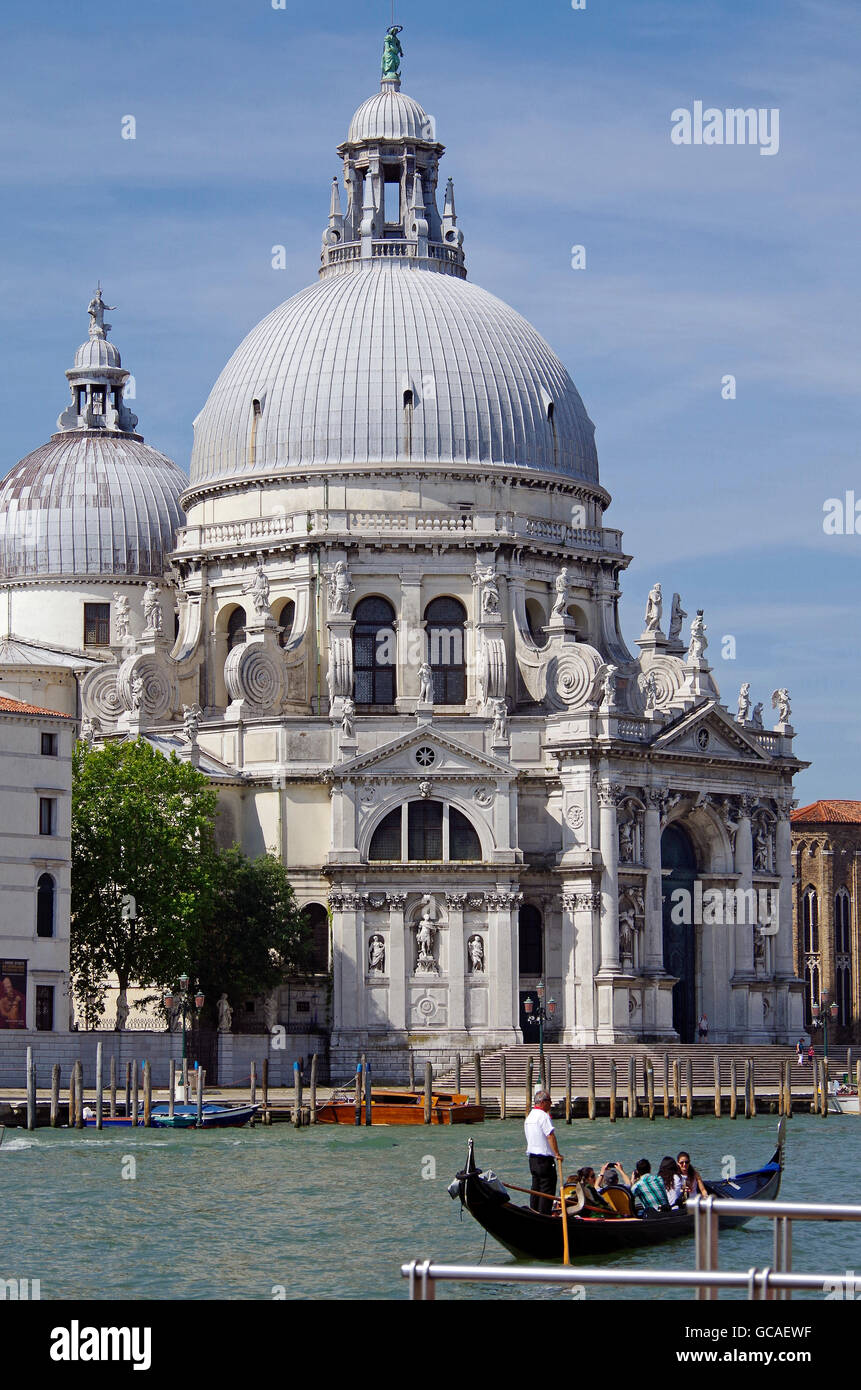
column 401, row 1108
column 529, row 1235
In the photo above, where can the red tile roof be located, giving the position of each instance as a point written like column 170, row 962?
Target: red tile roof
column 817, row 812
column 9, row 706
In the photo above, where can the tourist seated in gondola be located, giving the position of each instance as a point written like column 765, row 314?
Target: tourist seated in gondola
column 595, row 1203
column 649, row 1193
column 671, row 1176
column 614, row 1187
column 694, row 1185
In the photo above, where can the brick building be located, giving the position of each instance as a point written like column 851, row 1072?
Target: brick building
column 826, row 849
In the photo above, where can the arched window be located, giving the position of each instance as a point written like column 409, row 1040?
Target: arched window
column 374, row 653
column 811, row 989
column 45, row 894
column 445, row 623
column 286, row 618
column 318, row 920
column 425, row 830
column 530, row 940
column 235, row 628
column 842, row 903
column 810, row 919
column 536, row 619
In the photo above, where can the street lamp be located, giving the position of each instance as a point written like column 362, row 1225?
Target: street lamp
column 539, row 1015
column 182, row 998
column 820, row 1013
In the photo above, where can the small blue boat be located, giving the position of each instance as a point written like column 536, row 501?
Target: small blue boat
column 215, row 1116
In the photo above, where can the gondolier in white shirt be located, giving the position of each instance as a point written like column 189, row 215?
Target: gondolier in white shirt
column 543, row 1153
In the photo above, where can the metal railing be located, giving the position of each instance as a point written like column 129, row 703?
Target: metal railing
column 708, row 1211
column 423, row 1276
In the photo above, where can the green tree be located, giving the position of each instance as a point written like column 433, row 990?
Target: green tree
column 144, row 867
column 254, row 934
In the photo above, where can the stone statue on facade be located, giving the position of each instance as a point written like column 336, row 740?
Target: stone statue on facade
column 760, row 849
column 392, row 52
column 425, row 684
column 376, row 955
column 191, row 717
column 756, row 717
column 90, row 726
column 626, row 841
column 486, row 576
column 743, row 704
column 425, row 963
column 96, row 310
column 348, row 718
column 500, row 721
column 137, row 693
column 225, row 1014
column 699, row 641
column 475, row 947
column 340, row 588
column 677, row 617
column 152, row 607
column 654, row 609
column 561, row 600
column 122, row 1012
column 259, row 590
column 121, row 617
column 649, row 687
column 606, row 685
column 780, row 702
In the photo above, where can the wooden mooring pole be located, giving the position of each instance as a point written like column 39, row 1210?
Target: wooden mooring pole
column 568, row 1090
column 476, row 1076
column 312, row 1118
column 147, row 1088
column 503, row 1086
column 590, row 1082
column 132, row 1091
column 733, row 1090
column 717, row 1087
column 201, row 1078
column 666, row 1086
column 752, row 1087
column 360, row 1071
column 457, row 1074
column 411, row 1074
column 297, row 1095
column 253, row 1083
column 824, row 1074
column 112, row 1082
column 31, row 1090
column 689, row 1088
column 55, row 1095
column 428, row 1116
column 677, row 1088
column 650, row 1088
column 632, row 1089
column 79, row 1094
column 527, row 1103
column 614, row 1080
column 264, row 1085
column 128, row 1088
column 100, row 1083
column 369, row 1100
column 71, row 1113
column 788, row 1102
column 171, row 1081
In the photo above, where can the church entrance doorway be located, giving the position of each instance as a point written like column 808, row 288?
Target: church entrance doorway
column 677, row 855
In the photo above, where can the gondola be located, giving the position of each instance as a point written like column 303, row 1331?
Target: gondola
column 529, row 1235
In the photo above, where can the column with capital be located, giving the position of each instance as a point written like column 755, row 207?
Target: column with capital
column 656, row 801
column 609, row 795
column 502, row 939
column 455, row 903
column 743, row 932
column 397, row 961
column 348, row 959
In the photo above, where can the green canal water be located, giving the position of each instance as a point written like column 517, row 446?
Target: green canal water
column 332, row 1212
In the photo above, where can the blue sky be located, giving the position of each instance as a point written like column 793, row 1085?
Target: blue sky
column 701, row 260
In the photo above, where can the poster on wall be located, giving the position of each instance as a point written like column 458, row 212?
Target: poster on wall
column 13, row 993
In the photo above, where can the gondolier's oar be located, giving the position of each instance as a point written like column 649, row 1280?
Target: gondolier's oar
column 566, row 1254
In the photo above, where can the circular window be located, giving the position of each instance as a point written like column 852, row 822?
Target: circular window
column 703, row 738
column 425, row 756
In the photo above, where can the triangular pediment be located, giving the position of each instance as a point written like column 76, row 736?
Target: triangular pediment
column 405, row 756
column 709, row 732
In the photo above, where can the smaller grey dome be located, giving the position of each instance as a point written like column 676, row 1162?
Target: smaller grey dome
column 97, row 352
column 390, row 115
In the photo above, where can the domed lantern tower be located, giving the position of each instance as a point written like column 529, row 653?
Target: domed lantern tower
column 87, row 521
column 401, row 625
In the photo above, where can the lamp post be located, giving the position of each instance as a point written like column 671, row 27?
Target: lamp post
column 538, row 1015
column 820, row 1012
column 182, row 997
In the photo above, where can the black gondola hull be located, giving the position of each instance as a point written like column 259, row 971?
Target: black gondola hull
column 531, row 1236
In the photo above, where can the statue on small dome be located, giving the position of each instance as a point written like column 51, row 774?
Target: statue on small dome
column 96, row 310
column 392, row 52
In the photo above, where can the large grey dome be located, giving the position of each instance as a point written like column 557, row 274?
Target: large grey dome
column 329, row 369
column 89, row 504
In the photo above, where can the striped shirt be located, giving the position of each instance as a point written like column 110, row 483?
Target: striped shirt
column 649, row 1191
